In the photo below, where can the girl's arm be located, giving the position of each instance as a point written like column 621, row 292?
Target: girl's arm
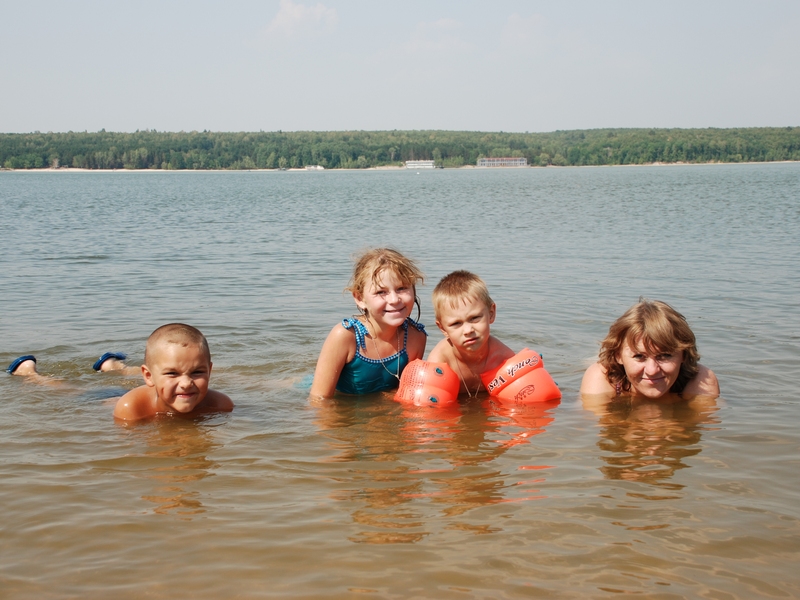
column 339, row 348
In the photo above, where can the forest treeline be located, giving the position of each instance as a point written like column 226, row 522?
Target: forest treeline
column 363, row 149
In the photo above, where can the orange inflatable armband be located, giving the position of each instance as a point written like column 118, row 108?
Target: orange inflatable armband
column 521, row 379
column 428, row 383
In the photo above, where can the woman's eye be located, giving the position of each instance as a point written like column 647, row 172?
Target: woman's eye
column 663, row 357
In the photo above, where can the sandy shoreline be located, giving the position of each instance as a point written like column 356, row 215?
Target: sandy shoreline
column 382, row 168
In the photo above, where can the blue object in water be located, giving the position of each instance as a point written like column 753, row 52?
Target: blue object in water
column 118, row 355
column 17, row 362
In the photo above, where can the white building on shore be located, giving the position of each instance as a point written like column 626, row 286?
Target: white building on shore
column 505, row 161
column 420, row 164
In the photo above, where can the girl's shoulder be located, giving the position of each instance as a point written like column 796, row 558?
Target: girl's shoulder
column 353, row 326
column 353, row 323
column 412, row 325
column 417, row 339
column 342, row 337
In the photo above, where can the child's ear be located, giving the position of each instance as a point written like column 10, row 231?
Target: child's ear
column 492, row 313
column 148, row 376
column 439, row 325
column 359, row 302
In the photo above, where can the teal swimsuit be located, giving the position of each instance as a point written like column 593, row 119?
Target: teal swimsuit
column 364, row 375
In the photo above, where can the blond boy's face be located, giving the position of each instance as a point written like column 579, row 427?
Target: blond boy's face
column 179, row 375
column 466, row 325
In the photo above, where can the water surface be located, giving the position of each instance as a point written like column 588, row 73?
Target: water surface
column 285, row 498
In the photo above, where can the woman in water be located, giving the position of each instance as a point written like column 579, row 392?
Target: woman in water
column 649, row 352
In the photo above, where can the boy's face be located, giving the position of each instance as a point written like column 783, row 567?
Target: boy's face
column 467, row 325
column 179, row 374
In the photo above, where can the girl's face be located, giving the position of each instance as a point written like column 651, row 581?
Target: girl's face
column 388, row 300
column 651, row 374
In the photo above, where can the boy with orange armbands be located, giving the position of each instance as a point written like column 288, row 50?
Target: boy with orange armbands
column 464, row 313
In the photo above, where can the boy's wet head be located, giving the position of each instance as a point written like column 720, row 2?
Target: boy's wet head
column 175, row 333
column 458, row 287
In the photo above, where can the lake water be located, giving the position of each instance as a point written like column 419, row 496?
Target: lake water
column 362, row 497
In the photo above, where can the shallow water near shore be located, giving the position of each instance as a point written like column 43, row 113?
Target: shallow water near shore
column 362, row 497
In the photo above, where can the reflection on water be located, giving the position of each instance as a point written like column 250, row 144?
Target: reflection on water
column 520, row 422
column 649, row 441
column 176, row 457
column 415, row 464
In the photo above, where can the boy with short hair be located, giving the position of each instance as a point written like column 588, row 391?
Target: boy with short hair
column 464, row 312
column 176, row 374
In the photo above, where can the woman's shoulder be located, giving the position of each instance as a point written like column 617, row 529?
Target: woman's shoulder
column 705, row 383
column 595, row 381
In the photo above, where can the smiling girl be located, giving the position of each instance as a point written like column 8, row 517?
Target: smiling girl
column 368, row 352
column 649, row 352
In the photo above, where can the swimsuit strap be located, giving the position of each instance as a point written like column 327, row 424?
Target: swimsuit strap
column 417, row 325
column 359, row 329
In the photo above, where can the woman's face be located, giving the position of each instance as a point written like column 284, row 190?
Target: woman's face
column 651, row 374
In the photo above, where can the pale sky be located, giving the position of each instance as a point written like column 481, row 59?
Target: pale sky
column 495, row 65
